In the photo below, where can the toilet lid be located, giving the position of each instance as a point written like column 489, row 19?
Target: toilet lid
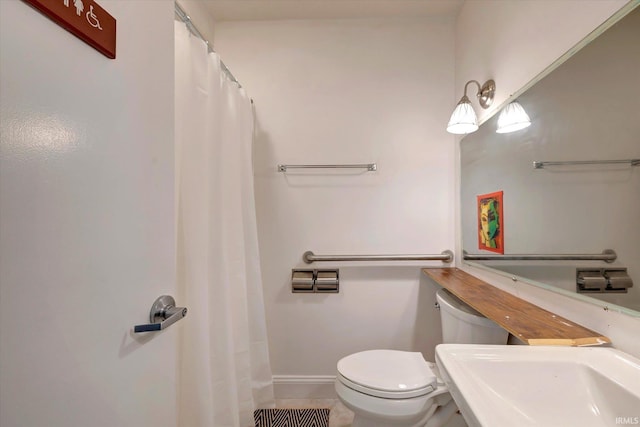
column 389, row 372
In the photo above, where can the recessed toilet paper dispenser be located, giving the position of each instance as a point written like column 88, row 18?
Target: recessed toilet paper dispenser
column 302, row 280
column 315, row 281
column 611, row 280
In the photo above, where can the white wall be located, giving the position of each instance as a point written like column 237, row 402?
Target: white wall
column 86, row 220
column 351, row 91
column 513, row 41
column 524, row 39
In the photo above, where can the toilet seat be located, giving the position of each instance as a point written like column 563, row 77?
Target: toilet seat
column 389, row 374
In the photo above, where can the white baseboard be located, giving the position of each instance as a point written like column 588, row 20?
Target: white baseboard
column 304, row 387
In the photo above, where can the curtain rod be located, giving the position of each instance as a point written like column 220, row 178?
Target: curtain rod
column 182, row 15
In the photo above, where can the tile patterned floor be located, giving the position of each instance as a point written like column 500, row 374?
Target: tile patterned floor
column 338, row 417
column 341, row 416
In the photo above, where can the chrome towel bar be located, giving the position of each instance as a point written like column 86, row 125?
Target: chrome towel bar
column 608, row 255
column 309, row 257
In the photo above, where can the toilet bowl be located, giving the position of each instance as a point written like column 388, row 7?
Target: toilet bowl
column 392, row 388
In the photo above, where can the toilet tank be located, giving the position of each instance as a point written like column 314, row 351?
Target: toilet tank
column 462, row 324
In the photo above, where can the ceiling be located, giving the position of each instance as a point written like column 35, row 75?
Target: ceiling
column 257, row 10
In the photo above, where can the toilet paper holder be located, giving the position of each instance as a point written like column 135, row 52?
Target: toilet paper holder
column 321, row 280
column 603, row 280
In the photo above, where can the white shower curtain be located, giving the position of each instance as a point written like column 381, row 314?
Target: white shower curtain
column 224, row 371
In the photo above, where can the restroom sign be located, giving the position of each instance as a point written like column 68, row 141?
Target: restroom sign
column 85, row 19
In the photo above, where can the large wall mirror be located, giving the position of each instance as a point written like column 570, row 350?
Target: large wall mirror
column 584, row 114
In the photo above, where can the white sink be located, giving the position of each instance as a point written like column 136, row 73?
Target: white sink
column 507, row 386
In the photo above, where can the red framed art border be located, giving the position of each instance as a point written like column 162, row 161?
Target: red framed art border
column 494, row 202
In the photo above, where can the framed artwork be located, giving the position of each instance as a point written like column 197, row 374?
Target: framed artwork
column 491, row 222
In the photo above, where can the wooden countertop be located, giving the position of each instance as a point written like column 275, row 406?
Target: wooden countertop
column 528, row 322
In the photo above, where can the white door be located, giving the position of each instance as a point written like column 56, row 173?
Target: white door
column 86, row 220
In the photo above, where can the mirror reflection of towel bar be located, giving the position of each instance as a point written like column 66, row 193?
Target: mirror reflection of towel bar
column 541, row 165
column 608, row 255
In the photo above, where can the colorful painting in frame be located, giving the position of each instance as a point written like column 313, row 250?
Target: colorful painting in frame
column 491, row 222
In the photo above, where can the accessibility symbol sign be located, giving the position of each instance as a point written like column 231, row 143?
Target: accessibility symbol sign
column 84, row 18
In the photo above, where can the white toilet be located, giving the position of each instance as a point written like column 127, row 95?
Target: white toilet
column 388, row 388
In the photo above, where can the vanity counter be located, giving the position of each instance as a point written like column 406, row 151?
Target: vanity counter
column 528, row 322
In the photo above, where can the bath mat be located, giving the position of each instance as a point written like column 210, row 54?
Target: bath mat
column 291, row 417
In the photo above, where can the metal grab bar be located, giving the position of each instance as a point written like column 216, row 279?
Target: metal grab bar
column 309, row 257
column 369, row 166
column 608, row 255
column 541, row 165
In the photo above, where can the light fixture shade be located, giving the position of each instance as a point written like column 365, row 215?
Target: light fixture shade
column 512, row 118
column 463, row 120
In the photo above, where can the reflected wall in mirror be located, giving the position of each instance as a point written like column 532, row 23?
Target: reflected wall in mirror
column 587, row 109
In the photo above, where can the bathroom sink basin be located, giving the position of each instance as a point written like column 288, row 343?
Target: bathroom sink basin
column 496, row 386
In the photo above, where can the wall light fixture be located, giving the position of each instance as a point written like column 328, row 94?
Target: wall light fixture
column 464, row 119
column 512, row 118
